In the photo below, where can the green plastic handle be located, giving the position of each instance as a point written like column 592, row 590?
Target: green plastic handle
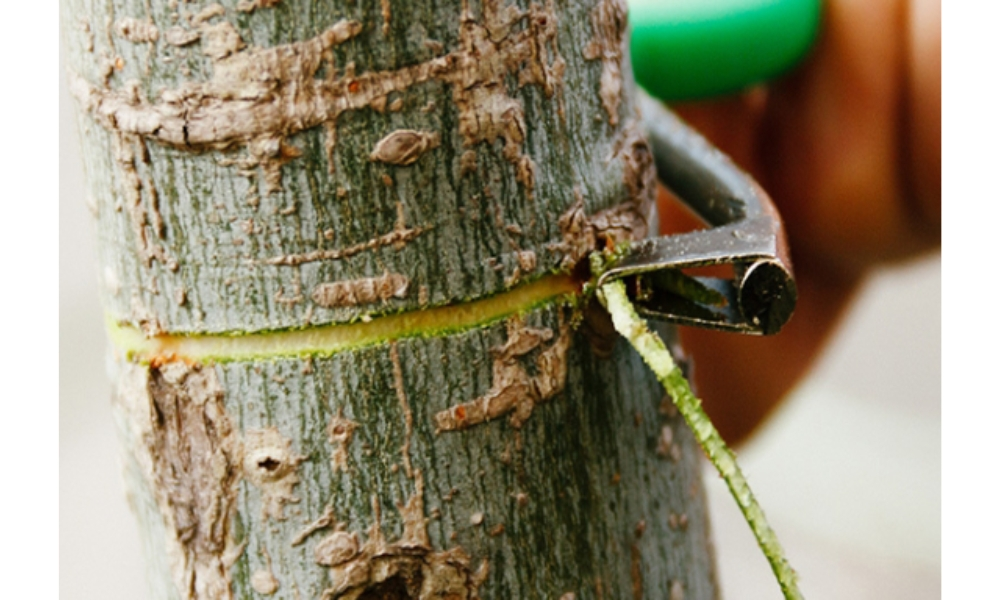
column 691, row 49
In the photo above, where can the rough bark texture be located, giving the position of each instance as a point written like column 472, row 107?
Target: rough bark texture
column 269, row 165
column 247, row 167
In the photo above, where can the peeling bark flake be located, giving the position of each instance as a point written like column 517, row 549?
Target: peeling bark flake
column 386, row 16
column 336, row 549
column 628, row 220
column 137, row 30
column 397, row 238
column 639, row 173
column 609, row 20
column 188, row 450
column 248, row 6
column 271, row 465
column 412, row 514
column 178, row 36
column 209, row 12
column 325, row 520
column 467, row 162
column 527, row 260
column 220, row 40
column 405, row 146
column 271, row 153
column 513, row 390
column 340, row 430
column 145, row 318
column 263, row 581
column 354, row 292
column 579, row 237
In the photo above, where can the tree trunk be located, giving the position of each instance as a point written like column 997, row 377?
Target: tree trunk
column 340, row 245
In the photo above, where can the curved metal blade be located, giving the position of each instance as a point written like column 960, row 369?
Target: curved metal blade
column 747, row 233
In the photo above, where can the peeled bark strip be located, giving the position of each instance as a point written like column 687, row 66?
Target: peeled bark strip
column 270, row 167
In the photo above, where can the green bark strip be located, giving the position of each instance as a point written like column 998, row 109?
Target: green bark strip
column 652, row 350
column 330, row 339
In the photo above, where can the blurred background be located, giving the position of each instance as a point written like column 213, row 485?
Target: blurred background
column 848, row 471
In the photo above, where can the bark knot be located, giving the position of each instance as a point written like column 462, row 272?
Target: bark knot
column 271, row 465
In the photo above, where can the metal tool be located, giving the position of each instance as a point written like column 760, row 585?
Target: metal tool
column 746, row 233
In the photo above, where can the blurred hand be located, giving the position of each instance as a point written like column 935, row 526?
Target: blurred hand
column 849, row 147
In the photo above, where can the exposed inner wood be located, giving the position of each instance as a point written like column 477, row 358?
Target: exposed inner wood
column 330, row 339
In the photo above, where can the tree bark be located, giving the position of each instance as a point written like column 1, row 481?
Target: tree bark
column 341, row 251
